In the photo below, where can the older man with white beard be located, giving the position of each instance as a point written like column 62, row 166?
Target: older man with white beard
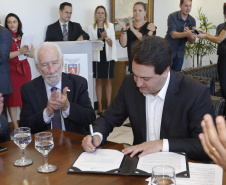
column 55, row 99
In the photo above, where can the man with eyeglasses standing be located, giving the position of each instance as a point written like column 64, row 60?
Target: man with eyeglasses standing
column 180, row 31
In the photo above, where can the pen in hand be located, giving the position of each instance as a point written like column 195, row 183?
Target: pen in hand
column 91, row 132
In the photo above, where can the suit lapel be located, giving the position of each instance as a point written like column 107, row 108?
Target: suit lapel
column 138, row 111
column 70, row 31
column 40, row 93
column 59, row 30
column 142, row 103
column 170, row 99
column 66, row 82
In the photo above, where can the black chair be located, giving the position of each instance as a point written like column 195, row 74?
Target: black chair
column 218, row 105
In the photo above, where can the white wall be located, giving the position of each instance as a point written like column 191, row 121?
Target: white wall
column 36, row 15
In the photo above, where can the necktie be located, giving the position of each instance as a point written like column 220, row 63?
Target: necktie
column 56, row 120
column 65, row 33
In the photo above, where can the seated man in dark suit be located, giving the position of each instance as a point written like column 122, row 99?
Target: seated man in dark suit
column 164, row 108
column 55, row 99
column 5, row 47
column 64, row 29
column 4, row 131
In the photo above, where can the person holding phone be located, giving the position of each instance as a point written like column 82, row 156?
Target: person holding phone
column 20, row 70
column 104, row 61
column 220, row 39
column 180, row 31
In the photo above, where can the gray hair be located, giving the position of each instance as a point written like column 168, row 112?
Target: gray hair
column 47, row 45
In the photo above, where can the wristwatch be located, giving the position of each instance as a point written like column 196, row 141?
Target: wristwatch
column 107, row 38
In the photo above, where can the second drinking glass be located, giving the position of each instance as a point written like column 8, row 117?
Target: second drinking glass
column 44, row 144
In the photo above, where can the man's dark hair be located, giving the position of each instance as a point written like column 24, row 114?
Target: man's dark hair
column 224, row 9
column 182, row 1
column 62, row 5
column 154, row 51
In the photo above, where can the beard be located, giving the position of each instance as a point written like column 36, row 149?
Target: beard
column 52, row 79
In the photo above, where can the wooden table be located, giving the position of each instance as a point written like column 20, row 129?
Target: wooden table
column 67, row 148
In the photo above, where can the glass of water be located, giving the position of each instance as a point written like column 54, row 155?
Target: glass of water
column 44, row 144
column 22, row 137
column 163, row 175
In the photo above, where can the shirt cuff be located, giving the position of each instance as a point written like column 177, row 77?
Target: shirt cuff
column 65, row 113
column 99, row 134
column 172, row 32
column 47, row 119
column 165, row 147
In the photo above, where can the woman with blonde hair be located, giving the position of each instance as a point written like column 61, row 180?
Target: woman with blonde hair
column 103, row 61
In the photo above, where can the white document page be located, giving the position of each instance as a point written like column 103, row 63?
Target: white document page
column 26, row 40
column 177, row 161
column 102, row 160
column 201, row 174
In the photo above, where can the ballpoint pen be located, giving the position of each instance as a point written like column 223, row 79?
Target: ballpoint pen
column 91, row 132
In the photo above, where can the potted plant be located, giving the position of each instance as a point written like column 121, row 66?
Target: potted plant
column 201, row 47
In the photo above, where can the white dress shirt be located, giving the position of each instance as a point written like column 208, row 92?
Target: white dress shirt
column 154, row 108
column 64, row 114
column 62, row 28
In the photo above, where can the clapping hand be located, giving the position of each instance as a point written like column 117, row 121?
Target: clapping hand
column 122, row 23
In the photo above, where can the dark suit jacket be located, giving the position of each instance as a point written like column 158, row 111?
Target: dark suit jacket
column 186, row 102
column 34, row 98
column 5, row 47
column 54, row 32
column 4, row 131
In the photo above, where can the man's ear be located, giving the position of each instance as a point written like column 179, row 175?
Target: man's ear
column 166, row 71
column 180, row 6
column 37, row 68
column 62, row 64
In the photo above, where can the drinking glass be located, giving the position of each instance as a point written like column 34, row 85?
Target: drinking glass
column 22, row 137
column 163, row 175
column 44, row 144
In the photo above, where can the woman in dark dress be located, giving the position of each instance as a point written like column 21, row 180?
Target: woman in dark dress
column 220, row 39
column 136, row 29
column 20, row 71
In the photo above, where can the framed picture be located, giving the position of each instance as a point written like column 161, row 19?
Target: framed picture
column 122, row 9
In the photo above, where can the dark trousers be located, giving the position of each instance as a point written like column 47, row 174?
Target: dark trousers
column 177, row 63
column 4, row 131
column 5, row 96
column 221, row 67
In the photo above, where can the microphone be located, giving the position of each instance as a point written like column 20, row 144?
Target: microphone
column 195, row 30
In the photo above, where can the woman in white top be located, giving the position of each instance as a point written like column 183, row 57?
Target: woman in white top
column 103, row 61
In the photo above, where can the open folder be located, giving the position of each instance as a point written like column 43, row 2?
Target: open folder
column 108, row 161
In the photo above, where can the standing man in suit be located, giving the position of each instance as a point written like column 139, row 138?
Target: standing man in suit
column 164, row 108
column 55, row 99
column 5, row 47
column 179, row 24
column 64, row 29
